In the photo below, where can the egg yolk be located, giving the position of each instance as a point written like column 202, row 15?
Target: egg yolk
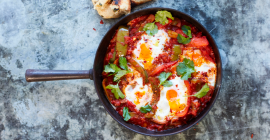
column 188, row 53
column 146, row 56
column 197, row 59
column 174, row 103
column 139, row 95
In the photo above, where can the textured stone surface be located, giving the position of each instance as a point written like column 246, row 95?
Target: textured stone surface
column 58, row 34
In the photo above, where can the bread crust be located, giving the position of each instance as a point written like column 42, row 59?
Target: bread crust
column 112, row 8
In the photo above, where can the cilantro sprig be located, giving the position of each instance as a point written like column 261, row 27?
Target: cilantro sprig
column 182, row 39
column 116, row 91
column 120, row 74
column 111, row 68
column 187, row 30
column 185, row 69
column 204, row 90
column 163, row 79
column 150, row 28
column 145, row 109
column 114, row 69
column 123, row 63
column 161, row 17
column 126, row 114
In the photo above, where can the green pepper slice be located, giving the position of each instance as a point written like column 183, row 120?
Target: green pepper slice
column 155, row 97
column 113, row 58
column 121, row 47
column 114, row 52
column 176, row 51
column 140, row 69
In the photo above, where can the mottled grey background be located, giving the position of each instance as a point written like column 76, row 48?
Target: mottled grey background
column 58, row 34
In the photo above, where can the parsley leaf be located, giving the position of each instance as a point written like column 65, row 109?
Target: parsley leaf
column 150, row 28
column 167, row 84
column 161, row 17
column 123, row 63
column 108, row 69
column 202, row 92
column 111, row 68
column 116, row 91
column 163, row 77
column 187, row 30
column 145, row 109
column 185, row 69
column 115, row 67
column 119, row 74
column 182, row 39
column 126, row 114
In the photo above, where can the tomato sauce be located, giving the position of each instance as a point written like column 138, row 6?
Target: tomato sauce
column 163, row 63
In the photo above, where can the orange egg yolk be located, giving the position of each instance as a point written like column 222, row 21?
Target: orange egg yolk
column 139, row 95
column 146, row 56
column 197, row 59
column 188, row 53
column 174, row 103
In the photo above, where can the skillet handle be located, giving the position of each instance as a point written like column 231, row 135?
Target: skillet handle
column 34, row 75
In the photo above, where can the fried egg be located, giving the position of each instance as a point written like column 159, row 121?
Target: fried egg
column 202, row 65
column 149, row 47
column 135, row 91
column 172, row 100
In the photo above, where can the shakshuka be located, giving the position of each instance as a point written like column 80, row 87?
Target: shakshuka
column 159, row 71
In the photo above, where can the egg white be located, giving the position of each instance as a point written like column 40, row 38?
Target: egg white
column 155, row 43
column 205, row 65
column 163, row 107
column 136, row 86
column 210, row 68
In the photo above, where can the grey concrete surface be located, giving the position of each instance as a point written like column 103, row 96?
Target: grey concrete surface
column 58, row 34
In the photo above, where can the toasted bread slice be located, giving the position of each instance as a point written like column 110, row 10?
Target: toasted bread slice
column 112, row 8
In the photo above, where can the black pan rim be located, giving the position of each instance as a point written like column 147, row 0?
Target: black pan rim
column 217, row 86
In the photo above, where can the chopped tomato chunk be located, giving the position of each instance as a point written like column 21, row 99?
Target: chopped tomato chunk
column 199, row 42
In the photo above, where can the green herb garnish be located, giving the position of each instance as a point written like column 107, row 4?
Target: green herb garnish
column 119, row 74
column 161, row 17
column 116, row 91
column 126, row 114
column 123, row 63
column 114, row 69
column 202, row 92
column 185, row 69
column 150, row 28
column 182, row 39
column 145, row 109
column 187, row 30
column 163, row 77
column 111, row 68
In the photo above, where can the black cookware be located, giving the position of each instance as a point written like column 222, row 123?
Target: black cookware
column 95, row 73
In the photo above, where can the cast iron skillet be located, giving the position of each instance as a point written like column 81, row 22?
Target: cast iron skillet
column 95, row 73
